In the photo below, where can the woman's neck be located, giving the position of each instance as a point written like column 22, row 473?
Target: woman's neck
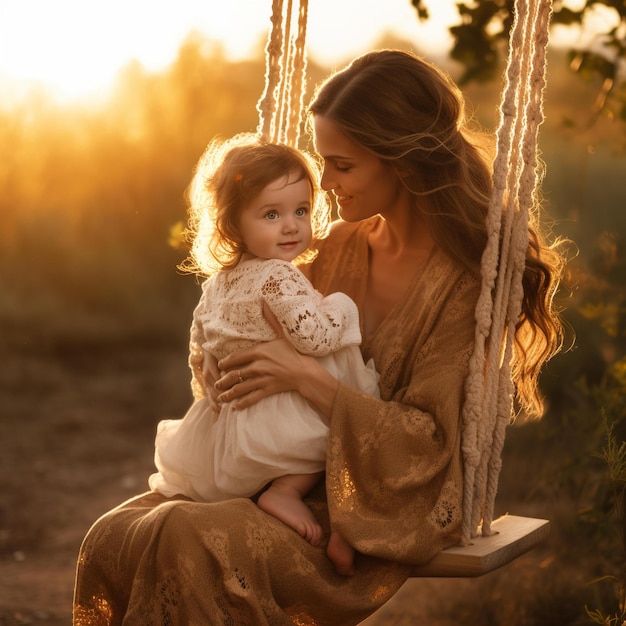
column 403, row 235
column 397, row 250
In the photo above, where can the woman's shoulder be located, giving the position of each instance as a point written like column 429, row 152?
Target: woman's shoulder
column 342, row 256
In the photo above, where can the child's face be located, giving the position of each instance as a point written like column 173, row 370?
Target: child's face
column 277, row 223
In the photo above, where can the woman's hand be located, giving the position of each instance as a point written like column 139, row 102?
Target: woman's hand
column 274, row 367
column 260, row 371
column 210, row 374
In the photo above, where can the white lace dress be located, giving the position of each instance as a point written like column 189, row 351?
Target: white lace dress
column 212, row 457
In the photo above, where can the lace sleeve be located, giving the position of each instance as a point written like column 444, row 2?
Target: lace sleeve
column 315, row 325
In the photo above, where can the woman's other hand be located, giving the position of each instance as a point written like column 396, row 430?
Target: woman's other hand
column 210, row 374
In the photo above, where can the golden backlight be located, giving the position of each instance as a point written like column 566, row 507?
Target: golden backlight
column 75, row 48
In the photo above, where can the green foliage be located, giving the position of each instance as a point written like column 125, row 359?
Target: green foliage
column 421, row 8
column 485, row 25
column 614, row 454
column 477, row 39
column 589, row 441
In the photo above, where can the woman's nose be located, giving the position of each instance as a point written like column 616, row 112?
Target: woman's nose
column 326, row 183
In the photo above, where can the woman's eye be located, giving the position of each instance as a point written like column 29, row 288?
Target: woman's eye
column 343, row 168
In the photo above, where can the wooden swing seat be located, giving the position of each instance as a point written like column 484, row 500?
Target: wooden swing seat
column 514, row 536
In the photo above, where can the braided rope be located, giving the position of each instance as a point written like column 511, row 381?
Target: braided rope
column 489, row 389
column 273, row 53
column 281, row 105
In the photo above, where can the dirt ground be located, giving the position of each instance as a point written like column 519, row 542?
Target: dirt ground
column 77, row 433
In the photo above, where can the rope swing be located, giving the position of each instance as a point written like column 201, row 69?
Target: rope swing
column 516, row 178
column 281, row 105
column 488, row 407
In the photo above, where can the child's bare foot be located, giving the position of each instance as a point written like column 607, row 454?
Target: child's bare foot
column 284, row 503
column 341, row 553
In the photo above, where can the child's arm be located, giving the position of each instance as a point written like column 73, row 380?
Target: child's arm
column 196, row 359
column 203, row 365
column 313, row 324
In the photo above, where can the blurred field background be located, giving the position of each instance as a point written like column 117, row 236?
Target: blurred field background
column 94, row 319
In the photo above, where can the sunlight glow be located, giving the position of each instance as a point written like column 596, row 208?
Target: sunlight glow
column 599, row 19
column 75, row 48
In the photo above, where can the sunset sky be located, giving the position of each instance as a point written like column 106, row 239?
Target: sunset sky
column 76, row 47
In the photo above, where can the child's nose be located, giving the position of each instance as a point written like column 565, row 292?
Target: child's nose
column 290, row 224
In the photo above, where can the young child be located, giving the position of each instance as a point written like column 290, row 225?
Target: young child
column 254, row 208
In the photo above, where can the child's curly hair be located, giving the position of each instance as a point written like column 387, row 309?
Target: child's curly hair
column 228, row 176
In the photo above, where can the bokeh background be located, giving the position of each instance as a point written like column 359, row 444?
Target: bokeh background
column 94, row 314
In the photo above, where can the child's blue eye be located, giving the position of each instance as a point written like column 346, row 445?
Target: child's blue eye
column 302, row 211
column 271, row 215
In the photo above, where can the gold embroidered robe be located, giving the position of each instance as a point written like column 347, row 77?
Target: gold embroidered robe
column 393, row 485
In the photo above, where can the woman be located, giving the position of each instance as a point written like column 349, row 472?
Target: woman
column 413, row 190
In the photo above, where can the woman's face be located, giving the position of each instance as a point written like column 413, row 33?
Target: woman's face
column 363, row 184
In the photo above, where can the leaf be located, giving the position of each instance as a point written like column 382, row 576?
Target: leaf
column 177, row 237
column 422, row 10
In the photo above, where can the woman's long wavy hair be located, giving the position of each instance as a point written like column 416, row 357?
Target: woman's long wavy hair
column 410, row 114
column 228, row 177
